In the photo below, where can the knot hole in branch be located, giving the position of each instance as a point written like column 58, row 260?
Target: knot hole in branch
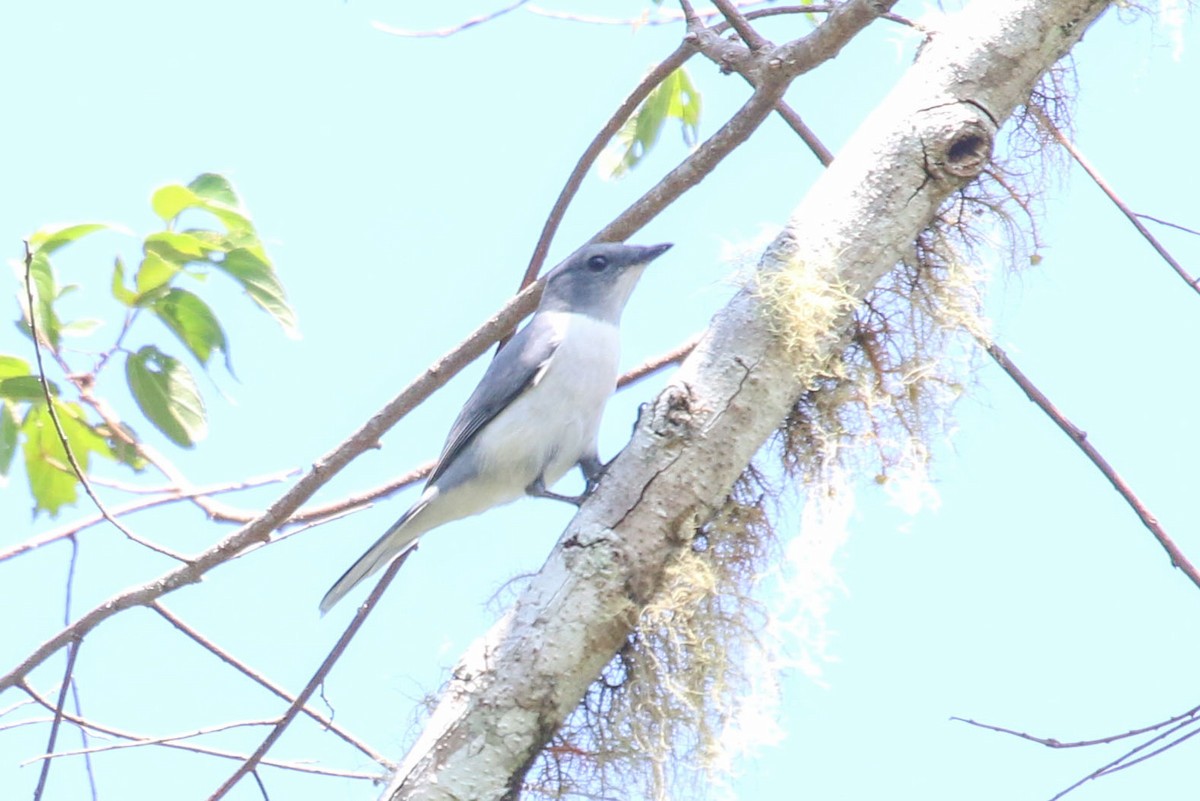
column 967, row 151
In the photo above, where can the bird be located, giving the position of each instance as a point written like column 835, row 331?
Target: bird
column 536, row 412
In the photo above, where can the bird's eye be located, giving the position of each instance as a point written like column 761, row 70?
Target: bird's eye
column 597, row 263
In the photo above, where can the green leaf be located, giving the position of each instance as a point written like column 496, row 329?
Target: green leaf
column 257, row 277
column 25, row 388
column 10, row 431
column 52, row 480
column 209, row 193
column 166, row 393
column 12, row 366
column 154, row 273
column 85, row 326
column 45, row 291
column 191, row 319
column 177, row 246
column 83, row 439
column 122, row 450
column 52, row 237
column 119, row 291
column 675, row 98
column 169, row 201
column 215, row 187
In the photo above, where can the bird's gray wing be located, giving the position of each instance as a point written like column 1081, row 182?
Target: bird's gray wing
column 517, row 367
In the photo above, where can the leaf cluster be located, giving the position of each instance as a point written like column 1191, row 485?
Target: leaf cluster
column 166, row 284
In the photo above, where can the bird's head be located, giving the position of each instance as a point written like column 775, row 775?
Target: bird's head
column 598, row 279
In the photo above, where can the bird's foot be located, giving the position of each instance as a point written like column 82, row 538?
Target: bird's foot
column 538, row 490
column 593, row 470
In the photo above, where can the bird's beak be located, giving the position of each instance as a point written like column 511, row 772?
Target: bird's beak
column 652, row 252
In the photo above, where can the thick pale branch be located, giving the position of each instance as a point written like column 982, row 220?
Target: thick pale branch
column 934, row 133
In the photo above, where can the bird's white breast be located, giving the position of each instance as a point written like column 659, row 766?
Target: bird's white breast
column 546, row 430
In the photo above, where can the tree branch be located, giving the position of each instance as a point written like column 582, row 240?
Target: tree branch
column 193, row 747
column 302, row 697
column 1172, row 725
column 593, row 151
column 777, row 68
column 753, row 39
column 1048, row 125
column 44, row 774
column 71, row 529
column 451, row 29
column 1079, row 437
column 1052, row 742
column 261, row 680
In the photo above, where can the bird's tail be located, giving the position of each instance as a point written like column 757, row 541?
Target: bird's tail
column 395, row 541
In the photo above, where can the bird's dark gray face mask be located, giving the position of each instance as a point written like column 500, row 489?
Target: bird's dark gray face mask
column 597, row 280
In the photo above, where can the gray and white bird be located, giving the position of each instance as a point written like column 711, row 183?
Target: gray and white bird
column 536, row 412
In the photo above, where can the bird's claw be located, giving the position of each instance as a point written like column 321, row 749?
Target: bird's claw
column 538, row 490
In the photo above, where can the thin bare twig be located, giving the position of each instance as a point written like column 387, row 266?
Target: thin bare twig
column 1052, row 742
column 794, row 59
column 753, row 39
column 214, row 509
column 130, row 316
column 1053, row 130
column 318, row 677
column 263, row 681
column 665, row 17
column 1175, row 724
column 312, row 514
column 827, row 8
column 696, row 167
column 195, row 748
column 670, row 17
column 451, row 29
column 1170, row 224
column 72, row 651
column 1155, row 752
column 1080, row 438
column 48, row 757
column 640, row 92
column 71, row 529
column 651, row 366
column 74, row 685
column 14, row 707
column 262, row 788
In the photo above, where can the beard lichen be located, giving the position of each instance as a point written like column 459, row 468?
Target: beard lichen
column 689, row 686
